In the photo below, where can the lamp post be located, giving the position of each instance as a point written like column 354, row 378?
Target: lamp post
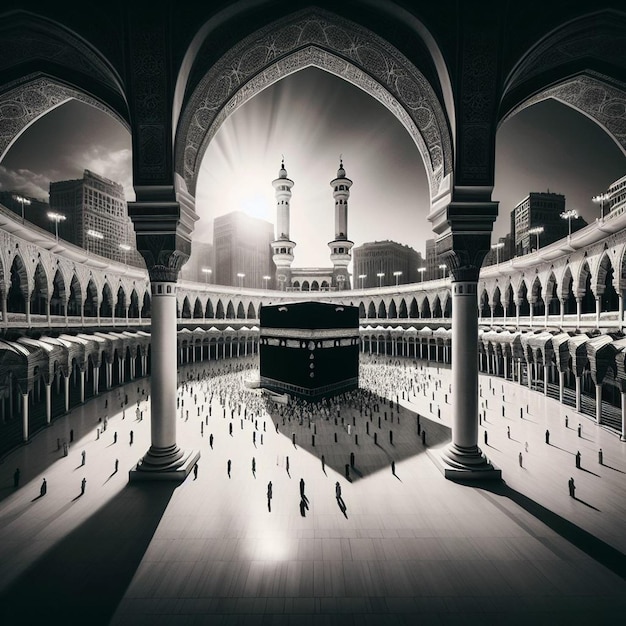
column 537, row 230
column 601, row 199
column 207, row 271
column 568, row 215
column 241, row 276
column 443, row 267
column 125, row 248
column 362, row 277
column 22, row 200
column 380, row 278
column 496, row 247
column 93, row 234
column 56, row 218
column 265, row 279
column 421, row 270
column 397, row 275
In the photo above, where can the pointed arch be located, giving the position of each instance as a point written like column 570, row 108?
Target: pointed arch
column 120, row 305
column 75, row 299
column 315, row 286
column 605, row 285
column 209, row 313
column 90, row 305
column 403, row 312
column 371, row 310
column 447, row 305
column 241, row 312
column 133, row 308
column 186, row 312
column 18, row 290
column 425, row 308
column 106, row 306
column 414, row 312
column 393, row 312
column 361, row 310
column 230, row 311
column 485, row 310
column 58, row 300
column 566, row 292
column 537, row 297
column 522, row 298
column 498, row 310
column 382, row 310
column 251, row 312
column 436, row 310
column 197, row 309
column 219, row 310
column 39, row 297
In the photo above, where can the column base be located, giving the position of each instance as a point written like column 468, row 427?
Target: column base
column 164, row 464
column 463, row 464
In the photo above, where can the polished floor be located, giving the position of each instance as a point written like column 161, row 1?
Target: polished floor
column 396, row 549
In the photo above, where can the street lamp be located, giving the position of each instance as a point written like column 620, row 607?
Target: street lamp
column 22, row 200
column 380, row 278
column 240, row 276
column 536, row 231
column 397, row 275
column 496, row 247
column 362, row 277
column 443, row 267
column 266, row 278
column 568, row 215
column 56, row 218
column 601, row 199
column 207, row 271
column 125, row 248
column 421, row 270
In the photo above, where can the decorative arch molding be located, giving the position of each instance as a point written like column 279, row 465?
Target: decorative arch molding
column 316, row 38
column 24, row 102
column 593, row 96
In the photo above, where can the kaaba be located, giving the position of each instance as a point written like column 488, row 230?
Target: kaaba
column 309, row 349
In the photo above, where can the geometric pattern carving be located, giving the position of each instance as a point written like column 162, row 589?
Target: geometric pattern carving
column 26, row 101
column 590, row 95
column 319, row 39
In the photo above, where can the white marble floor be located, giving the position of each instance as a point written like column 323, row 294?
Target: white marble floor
column 410, row 548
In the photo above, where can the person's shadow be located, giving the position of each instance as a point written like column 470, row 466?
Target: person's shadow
column 303, row 506
column 342, row 506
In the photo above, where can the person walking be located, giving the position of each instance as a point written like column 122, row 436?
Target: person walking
column 83, row 455
column 117, row 465
column 323, row 464
column 287, row 464
column 228, row 466
column 580, row 430
column 302, row 488
column 508, row 432
column 486, row 438
column 393, row 467
column 16, row 478
column 83, row 485
column 254, row 466
column 547, row 436
column 520, row 460
column 600, row 456
column 43, row 490
column 578, row 459
column 211, row 440
column 269, row 496
column 337, row 490
column 131, row 438
column 195, row 471
column 115, row 437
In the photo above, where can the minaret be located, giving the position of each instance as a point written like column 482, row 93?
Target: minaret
column 282, row 246
column 340, row 247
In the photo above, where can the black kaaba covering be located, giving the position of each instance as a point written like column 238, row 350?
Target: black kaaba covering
column 309, row 349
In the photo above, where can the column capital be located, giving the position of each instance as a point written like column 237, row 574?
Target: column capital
column 163, row 225
column 466, row 241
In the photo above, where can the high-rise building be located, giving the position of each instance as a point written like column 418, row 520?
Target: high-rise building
column 96, row 216
column 538, row 209
column 614, row 201
column 386, row 257
column 242, row 248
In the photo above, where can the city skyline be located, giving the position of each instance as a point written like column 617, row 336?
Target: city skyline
column 546, row 146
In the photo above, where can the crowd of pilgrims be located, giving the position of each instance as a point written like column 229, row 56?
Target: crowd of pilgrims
column 381, row 382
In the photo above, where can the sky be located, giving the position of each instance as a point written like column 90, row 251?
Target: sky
column 312, row 118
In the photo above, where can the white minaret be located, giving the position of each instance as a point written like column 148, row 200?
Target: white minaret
column 282, row 246
column 340, row 247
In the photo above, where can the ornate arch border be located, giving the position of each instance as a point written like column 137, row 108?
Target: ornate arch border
column 30, row 98
column 320, row 39
column 592, row 95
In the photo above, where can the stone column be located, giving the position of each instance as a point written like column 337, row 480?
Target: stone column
column 561, row 310
column 598, row 310
column 82, row 386
column 463, row 248
column 66, row 389
column 578, row 392
column 561, row 386
column 620, row 308
column 3, row 306
column 623, row 435
column 579, row 306
column 163, row 238
column 48, row 403
column 546, row 370
column 599, row 403
column 25, row 416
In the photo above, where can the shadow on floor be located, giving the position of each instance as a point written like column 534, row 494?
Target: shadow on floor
column 594, row 547
column 83, row 578
column 369, row 457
